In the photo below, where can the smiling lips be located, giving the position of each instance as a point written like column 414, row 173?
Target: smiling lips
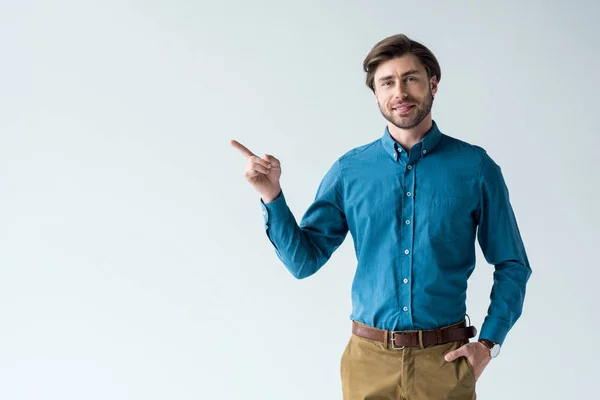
column 403, row 109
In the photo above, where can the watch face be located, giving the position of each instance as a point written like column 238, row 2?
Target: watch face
column 494, row 351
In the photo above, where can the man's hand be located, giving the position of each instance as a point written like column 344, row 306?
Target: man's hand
column 262, row 173
column 476, row 353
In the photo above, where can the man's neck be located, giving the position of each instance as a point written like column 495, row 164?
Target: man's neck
column 407, row 138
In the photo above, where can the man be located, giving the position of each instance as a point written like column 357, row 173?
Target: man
column 414, row 201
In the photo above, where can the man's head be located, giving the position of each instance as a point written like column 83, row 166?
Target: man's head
column 403, row 75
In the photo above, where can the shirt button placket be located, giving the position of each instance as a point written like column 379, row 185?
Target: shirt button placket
column 407, row 243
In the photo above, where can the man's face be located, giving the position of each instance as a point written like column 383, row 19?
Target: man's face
column 403, row 91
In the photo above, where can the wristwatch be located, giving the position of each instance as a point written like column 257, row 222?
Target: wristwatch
column 494, row 347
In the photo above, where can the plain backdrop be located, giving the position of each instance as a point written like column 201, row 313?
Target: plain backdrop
column 133, row 258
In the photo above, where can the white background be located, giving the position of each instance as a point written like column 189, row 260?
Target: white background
column 133, row 258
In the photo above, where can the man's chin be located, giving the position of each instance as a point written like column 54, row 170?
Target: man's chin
column 404, row 124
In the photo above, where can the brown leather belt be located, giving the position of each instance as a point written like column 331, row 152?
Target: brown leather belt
column 402, row 339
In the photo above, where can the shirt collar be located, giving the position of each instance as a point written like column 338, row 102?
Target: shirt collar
column 428, row 143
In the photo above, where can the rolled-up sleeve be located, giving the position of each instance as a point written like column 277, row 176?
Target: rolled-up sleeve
column 502, row 246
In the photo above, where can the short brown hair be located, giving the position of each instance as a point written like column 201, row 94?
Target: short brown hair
column 396, row 46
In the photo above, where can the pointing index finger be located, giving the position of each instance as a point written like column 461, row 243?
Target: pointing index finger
column 243, row 149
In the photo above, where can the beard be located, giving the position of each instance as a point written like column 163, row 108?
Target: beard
column 414, row 117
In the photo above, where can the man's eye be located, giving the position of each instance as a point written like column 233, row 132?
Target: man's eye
column 386, row 83
column 411, row 78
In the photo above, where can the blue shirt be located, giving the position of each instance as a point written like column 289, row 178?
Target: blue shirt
column 414, row 220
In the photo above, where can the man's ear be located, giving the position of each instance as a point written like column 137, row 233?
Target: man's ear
column 433, row 82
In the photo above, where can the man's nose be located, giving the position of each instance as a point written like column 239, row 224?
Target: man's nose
column 400, row 91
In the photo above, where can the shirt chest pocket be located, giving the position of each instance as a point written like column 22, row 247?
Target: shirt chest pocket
column 449, row 218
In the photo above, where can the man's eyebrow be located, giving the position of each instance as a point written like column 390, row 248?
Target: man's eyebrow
column 410, row 72
column 385, row 78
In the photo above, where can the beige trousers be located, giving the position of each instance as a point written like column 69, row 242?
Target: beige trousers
column 373, row 370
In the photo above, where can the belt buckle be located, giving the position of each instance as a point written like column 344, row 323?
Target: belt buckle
column 394, row 333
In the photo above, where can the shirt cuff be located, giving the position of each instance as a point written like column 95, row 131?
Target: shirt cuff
column 275, row 209
column 494, row 329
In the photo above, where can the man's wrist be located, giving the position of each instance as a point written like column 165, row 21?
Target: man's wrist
column 487, row 343
column 268, row 198
column 494, row 348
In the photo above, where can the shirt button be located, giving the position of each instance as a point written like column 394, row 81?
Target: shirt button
column 395, row 155
column 406, row 251
column 408, row 194
column 405, row 308
column 407, row 222
column 409, row 167
column 424, row 151
column 405, row 280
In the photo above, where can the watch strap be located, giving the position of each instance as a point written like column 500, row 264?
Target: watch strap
column 487, row 343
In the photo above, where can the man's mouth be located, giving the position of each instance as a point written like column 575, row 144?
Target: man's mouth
column 403, row 109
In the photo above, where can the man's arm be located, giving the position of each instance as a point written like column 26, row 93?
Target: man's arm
column 502, row 246
column 306, row 247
